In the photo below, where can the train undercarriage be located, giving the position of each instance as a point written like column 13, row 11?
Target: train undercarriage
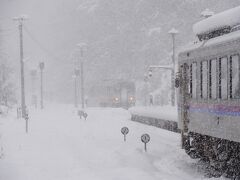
column 222, row 157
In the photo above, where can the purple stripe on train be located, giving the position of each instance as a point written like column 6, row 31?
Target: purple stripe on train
column 216, row 109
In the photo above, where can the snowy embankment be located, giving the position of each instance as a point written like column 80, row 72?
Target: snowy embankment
column 158, row 112
column 60, row 146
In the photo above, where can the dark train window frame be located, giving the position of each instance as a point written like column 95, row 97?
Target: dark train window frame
column 192, row 89
column 230, row 77
column 219, row 66
column 210, row 82
column 190, row 80
column 201, row 80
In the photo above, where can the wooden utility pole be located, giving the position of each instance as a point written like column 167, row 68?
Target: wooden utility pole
column 75, row 76
column 82, row 85
column 173, row 33
column 34, row 96
column 75, row 92
column 82, row 46
column 23, row 105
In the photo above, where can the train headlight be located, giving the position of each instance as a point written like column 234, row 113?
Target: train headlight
column 131, row 99
column 116, row 99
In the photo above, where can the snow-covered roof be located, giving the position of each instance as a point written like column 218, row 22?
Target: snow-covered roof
column 214, row 41
column 207, row 13
column 227, row 18
column 173, row 31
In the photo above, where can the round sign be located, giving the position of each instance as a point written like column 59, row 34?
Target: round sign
column 145, row 138
column 124, row 130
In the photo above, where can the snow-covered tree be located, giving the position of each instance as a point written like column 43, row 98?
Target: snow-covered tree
column 7, row 93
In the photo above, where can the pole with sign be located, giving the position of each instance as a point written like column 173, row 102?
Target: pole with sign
column 124, row 131
column 145, row 138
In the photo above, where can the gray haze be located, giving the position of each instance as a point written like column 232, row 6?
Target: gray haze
column 123, row 37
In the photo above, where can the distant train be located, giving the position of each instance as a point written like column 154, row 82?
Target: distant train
column 118, row 93
column 209, row 94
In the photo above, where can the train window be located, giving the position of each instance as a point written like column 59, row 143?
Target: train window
column 222, row 78
column 234, row 89
column 204, row 79
column 194, row 80
column 201, row 80
column 190, row 84
column 213, row 79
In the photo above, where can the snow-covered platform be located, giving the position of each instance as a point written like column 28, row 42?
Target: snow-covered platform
column 60, row 146
column 164, row 117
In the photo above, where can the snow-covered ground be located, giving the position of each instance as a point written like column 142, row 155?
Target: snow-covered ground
column 159, row 112
column 60, row 146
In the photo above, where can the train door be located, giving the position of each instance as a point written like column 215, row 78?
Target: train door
column 184, row 104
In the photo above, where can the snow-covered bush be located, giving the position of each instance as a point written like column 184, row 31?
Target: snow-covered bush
column 7, row 92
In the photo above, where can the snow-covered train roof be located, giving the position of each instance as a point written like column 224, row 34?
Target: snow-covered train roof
column 215, row 41
column 228, row 18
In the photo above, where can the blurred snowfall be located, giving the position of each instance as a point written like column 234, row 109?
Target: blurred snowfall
column 123, row 38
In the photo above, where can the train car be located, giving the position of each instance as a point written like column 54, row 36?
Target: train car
column 118, row 93
column 209, row 94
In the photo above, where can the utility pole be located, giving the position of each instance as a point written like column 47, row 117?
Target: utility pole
column 23, row 105
column 75, row 92
column 75, row 76
column 82, row 46
column 34, row 96
column 82, row 85
column 41, row 66
column 173, row 32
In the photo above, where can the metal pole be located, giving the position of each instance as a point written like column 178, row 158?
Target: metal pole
column 41, row 70
column 34, row 97
column 26, row 119
column 82, row 45
column 22, row 71
column 173, row 72
column 75, row 92
column 82, row 84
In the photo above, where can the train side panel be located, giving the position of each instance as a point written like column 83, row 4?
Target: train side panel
column 213, row 117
